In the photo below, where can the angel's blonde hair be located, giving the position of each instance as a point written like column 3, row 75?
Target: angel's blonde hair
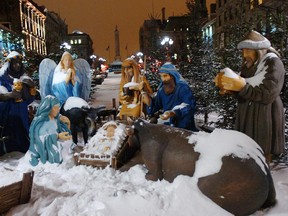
column 71, row 58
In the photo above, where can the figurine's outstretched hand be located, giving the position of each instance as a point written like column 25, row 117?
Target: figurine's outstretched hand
column 167, row 114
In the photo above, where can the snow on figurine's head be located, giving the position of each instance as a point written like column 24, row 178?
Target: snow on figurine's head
column 254, row 40
column 13, row 55
column 13, row 65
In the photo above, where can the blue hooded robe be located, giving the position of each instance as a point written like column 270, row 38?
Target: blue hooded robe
column 44, row 144
column 181, row 101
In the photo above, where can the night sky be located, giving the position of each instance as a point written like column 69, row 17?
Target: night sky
column 98, row 18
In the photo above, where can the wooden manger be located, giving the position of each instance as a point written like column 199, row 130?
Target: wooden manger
column 106, row 148
column 101, row 161
column 16, row 193
column 97, row 161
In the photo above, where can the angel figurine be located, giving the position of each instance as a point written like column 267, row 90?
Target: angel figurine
column 68, row 78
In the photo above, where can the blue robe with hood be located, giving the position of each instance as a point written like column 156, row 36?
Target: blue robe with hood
column 181, row 101
column 44, row 144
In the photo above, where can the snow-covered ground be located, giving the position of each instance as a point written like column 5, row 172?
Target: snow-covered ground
column 67, row 189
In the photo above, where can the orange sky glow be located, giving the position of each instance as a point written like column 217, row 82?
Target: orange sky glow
column 98, row 18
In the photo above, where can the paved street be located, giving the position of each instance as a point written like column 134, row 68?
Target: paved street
column 108, row 90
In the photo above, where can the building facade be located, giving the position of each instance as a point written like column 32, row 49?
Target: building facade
column 80, row 44
column 26, row 19
column 265, row 16
column 57, row 31
column 171, row 35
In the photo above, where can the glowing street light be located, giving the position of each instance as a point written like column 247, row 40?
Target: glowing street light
column 102, row 59
column 139, row 54
column 166, row 41
column 93, row 57
column 65, row 45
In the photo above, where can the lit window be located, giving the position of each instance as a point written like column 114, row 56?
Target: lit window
column 79, row 41
column 75, row 41
column 71, row 42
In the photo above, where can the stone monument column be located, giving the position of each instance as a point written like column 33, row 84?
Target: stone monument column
column 117, row 44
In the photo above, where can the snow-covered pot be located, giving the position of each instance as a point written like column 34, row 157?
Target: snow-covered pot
column 82, row 117
column 229, row 166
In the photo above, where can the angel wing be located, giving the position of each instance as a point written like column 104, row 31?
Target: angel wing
column 84, row 74
column 46, row 71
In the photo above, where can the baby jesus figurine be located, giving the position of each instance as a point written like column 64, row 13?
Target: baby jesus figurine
column 107, row 140
column 110, row 130
column 17, row 86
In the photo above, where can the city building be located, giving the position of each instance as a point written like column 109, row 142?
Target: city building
column 26, row 19
column 80, row 45
column 265, row 16
column 149, row 37
column 170, row 36
column 41, row 31
column 57, row 31
column 209, row 25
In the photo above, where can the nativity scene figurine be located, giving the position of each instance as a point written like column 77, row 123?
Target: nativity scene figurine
column 68, row 78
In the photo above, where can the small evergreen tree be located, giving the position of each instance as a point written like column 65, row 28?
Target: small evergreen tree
column 201, row 70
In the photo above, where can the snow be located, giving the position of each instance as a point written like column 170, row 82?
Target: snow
column 67, row 189
column 10, row 179
column 101, row 144
column 259, row 76
column 230, row 73
column 213, row 147
column 131, row 84
column 3, row 90
column 75, row 102
column 181, row 106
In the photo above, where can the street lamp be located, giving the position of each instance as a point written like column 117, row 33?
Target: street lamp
column 140, row 55
column 93, row 57
column 166, row 41
column 93, row 64
column 65, row 46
